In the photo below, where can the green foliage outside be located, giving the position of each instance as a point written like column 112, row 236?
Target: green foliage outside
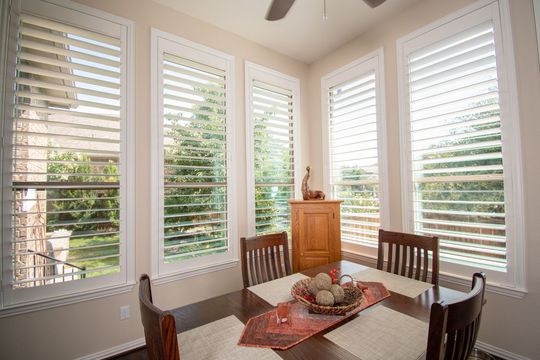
column 90, row 214
column 272, row 165
column 362, row 202
column 450, row 200
column 195, row 216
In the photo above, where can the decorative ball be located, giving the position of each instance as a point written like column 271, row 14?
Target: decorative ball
column 325, row 298
column 312, row 287
column 337, row 291
column 323, row 281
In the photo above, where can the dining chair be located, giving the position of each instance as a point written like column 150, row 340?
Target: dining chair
column 409, row 255
column 261, row 258
column 159, row 326
column 454, row 325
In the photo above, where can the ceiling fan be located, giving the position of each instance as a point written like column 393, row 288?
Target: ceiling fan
column 279, row 8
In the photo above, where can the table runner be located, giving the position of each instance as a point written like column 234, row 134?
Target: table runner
column 276, row 291
column 382, row 334
column 263, row 331
column 396, row 283
column 217, row 341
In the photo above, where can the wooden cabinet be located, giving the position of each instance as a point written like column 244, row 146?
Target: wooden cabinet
column 316, row 234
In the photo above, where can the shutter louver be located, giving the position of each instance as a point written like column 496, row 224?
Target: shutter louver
column 65, row 154
column 273, row 149
column 194, row 159
column 354, row 157
column 456, row 149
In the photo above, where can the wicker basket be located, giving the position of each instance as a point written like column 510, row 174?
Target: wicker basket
column 353, row 298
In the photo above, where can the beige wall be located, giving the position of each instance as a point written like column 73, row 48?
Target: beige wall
column 92, row 326
column 508, row 323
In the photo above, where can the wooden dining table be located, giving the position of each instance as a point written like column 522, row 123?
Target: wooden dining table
column 244, row 304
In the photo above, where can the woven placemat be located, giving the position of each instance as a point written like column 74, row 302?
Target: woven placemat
column 276, row 291
column 382, row 334
column 218, row 341
column 395, row 283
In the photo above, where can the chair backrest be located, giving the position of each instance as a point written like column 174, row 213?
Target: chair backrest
column 261, row 258
column 159, row 326
column 458, row 322
column 408, row 255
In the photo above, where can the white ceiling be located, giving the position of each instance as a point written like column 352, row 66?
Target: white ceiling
column 302, row 34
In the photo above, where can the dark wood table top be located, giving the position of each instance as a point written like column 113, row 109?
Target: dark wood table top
column 244, row 304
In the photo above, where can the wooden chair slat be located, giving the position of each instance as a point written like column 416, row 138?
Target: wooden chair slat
column 450, row 352
column 390, row 257
column 253, row 272
column 411, row 262
column 426, row 266
column 418, row 263
column 404, row 261
column 273, row 267
column 396, row 263
column 265, row 252
column 467, row 339
column 278, row 260
column 258, row 275
column 266, row 264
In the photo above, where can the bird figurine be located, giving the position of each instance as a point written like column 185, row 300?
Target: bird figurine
column 308, row 194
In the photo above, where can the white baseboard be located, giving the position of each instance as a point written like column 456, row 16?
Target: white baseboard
column 493, row 350
column 115, row 350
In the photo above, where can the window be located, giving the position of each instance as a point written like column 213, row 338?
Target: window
column 194, row 173
column 65, row 155
column 457, row 128
column 272, row 116
column 355, row 164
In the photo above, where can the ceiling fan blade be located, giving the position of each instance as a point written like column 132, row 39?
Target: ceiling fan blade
column 374, row 3
column 278, row 9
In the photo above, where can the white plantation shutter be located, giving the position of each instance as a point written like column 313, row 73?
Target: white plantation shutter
column 195, row 169
column 194, row 172
column 66, row 154
column 273, row 156
column 353, row 146
column 456, row 148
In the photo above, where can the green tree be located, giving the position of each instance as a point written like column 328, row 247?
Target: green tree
column 450, row 205
column 195, row 176
column 91, row 214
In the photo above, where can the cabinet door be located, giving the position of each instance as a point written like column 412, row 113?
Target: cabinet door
column 317, row 242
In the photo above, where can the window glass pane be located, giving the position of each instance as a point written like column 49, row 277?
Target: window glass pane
column 273, row 136
column 456, row 147
column 65, row 154
column 194, row 159
column 354, row 157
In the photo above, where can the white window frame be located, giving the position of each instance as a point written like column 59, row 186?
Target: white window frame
column 59, row 294
column 161, row 272
column 513, row 282
column 373, row 61
column 257, row 72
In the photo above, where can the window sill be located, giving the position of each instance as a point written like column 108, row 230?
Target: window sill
column 517, row 293
column 65, row 300
column 184, row 274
